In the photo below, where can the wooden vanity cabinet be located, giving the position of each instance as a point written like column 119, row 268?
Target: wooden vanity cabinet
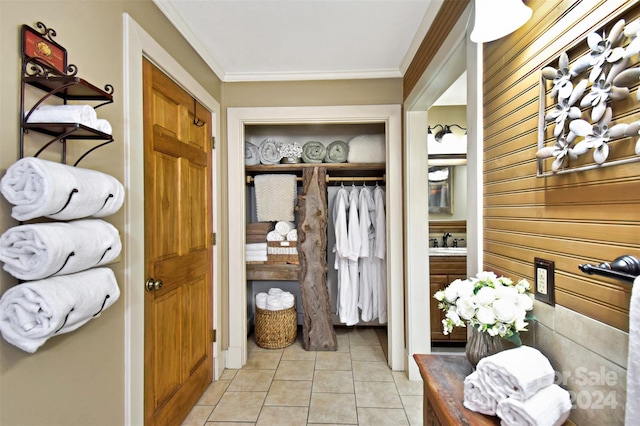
column 444, row 270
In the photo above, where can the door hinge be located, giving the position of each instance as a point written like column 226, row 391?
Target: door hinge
column 213, row 336
column 213, row 239
column 213, row 142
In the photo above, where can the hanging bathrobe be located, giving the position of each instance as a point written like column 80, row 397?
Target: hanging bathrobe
column 380, row 252
column 341, row 249
column 368, row 293
column 354, row 252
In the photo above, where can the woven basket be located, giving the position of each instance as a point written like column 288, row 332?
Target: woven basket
column 276, row 329
column 290, row 258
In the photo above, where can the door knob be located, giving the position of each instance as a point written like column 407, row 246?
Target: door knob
column 152, row 284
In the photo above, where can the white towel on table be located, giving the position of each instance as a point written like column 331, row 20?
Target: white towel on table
column 82, row 114
column 549, row 406
column 632, row 413
column 275, row 197
column 292, row 235
column 34, row 311
column 36, row 251
column 39, row 188
column 261, row 300
column 476, row 397
column 517, row 373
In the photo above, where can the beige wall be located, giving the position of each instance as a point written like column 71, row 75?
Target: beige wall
column 76, row 378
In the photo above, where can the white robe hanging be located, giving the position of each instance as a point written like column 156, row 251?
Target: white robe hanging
column 354, row 252
column 368, row 279
column 341, row 250
column 380, row 252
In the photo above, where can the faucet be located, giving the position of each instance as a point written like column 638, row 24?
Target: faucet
column 445, row 237
column 455, row 241
column 434, row 241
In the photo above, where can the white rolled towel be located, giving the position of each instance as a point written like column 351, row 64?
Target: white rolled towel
column 476, row 397
column 104, row 126
column 39, row 188
column 287, row 299
column 549, row 406
column 34, row 311
column 283, row 228
column 261, row 300
column 275, row 291
column 274, row 303
column 516, row 373
column 82, row 114
column 274, row 236
column 36, row 251
column 292, row 235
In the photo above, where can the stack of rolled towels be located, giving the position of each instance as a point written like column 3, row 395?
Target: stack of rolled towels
column 275, row 300
column 283, row 231
column 518, row 386
column 80, row 114
column 61, row 263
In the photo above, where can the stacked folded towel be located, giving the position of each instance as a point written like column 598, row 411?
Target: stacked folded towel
column 257, row 231
column 275, row 300
column 80, row 114
column 256, row 252
column 517, row 385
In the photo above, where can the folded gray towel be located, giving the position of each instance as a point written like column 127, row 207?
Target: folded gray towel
column 313, row 152
column 337, row 152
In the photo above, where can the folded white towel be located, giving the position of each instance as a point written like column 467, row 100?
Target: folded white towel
column 39, row 188
column 82, row 114
column 292, row 235
column 104, row 126
column 517, row 373
column 250, row 247
column 283, row 227
column 367, row 149
column 476, row 397
column 549, row 406
column 36, row 251
column 255, row 257
column 274, row 236
column 261, row 300
column 34, row 311
column 275, row 197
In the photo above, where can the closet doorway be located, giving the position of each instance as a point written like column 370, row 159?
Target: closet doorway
column 388, row 117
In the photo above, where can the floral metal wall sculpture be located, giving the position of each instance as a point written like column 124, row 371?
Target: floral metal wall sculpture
column 583, row 113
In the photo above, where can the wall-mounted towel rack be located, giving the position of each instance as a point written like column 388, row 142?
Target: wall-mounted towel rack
column 625, row 268
column 328, row 179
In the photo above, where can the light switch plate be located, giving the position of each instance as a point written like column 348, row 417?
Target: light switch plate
column 544, row 275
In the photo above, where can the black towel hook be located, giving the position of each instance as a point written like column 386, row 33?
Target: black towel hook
column 196, row 121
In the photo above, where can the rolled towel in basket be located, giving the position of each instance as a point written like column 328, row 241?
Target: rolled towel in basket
column 283, row 227
column 515, row 373
column 251, row 154
column 36, row 251
column 274, row 291
column 39, row 188
column 268, row 151
column 337, row 152
column 292, row 235
column 34, row 311
column 274, row 303
column 261, row 300
column 313, row 152
column 549, row 406
column 287, row 300
column 274, row 236
column 82, row 114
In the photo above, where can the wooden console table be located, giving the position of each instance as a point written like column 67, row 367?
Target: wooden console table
column 443, row 377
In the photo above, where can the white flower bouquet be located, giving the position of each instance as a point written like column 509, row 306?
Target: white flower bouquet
column 492, row 304
column 292, row 150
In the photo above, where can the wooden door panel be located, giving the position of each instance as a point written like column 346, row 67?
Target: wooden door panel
column 178, row 223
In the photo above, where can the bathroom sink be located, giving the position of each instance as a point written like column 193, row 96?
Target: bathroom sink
column 447, row 251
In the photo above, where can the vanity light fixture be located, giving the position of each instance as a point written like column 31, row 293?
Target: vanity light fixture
column 491, row 25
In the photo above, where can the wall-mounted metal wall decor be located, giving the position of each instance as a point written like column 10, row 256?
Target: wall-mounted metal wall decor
column 585, row 93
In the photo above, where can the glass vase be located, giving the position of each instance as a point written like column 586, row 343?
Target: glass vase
column 481, row 344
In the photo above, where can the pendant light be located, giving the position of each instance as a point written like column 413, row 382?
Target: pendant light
column 497, row 18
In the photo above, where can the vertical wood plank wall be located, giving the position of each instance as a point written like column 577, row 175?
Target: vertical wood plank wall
column 571, row 219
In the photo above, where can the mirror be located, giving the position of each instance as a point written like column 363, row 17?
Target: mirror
column 440, row 189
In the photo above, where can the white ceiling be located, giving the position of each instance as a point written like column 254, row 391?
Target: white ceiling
column 284, row 40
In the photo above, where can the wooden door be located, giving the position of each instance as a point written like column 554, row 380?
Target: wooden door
column 178, row 250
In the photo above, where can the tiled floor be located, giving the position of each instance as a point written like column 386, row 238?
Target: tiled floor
column 291, row 386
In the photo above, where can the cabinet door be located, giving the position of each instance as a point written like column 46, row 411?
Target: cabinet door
column 437, row 282
column 459, row 334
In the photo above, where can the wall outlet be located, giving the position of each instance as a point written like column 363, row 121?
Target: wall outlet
column 544, row 280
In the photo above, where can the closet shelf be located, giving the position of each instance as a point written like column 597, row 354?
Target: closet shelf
column 336, row 169
column 272, row 272
column 69, row 130
column 71, row 88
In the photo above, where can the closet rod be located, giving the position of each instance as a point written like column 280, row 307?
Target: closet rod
column 328, row 178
